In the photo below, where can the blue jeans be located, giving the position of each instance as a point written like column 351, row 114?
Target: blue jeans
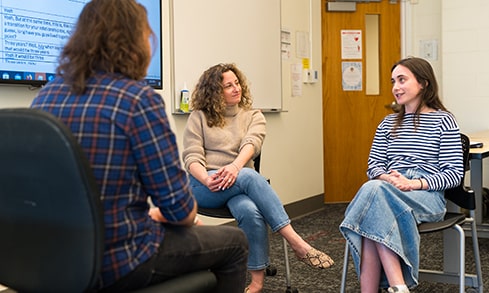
column 389, row 216
column 221, row 249
column 254, row 204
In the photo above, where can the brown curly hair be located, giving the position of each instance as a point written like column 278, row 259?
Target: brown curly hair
column 208, row 93
column 110, row 36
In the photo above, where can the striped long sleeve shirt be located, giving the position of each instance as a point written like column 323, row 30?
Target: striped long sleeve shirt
column 434, row 146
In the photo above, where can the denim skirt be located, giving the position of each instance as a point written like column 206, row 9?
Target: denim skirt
column 389, row 216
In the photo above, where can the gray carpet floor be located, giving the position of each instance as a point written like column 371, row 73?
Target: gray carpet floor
column 320, row 229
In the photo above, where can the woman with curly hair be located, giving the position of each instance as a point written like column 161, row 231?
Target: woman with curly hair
column 222, row 137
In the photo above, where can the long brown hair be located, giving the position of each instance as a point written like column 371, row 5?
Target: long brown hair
column 110, row 36
column 424, row 74
column 208, row 93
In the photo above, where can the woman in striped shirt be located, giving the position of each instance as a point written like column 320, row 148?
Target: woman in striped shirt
column 416, row 154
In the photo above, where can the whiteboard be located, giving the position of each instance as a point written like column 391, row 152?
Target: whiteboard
column 247, row 33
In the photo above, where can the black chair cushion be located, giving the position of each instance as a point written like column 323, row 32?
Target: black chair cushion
column 222, row 213
column 197, row 282
column 451, row 219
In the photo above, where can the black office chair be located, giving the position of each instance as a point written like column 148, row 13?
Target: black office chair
column 464, row 198
column 51, row 217
column 225, row 213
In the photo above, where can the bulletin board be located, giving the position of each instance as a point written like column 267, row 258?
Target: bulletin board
column 247, row 33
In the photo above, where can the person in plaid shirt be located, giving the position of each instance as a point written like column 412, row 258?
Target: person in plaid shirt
column 124, row 131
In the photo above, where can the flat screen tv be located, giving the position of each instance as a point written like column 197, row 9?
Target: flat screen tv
column 33, row 32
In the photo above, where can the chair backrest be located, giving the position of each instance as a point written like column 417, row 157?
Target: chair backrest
column 466, row 151
column 461, row 195
column 256, row 163
column 51, row 218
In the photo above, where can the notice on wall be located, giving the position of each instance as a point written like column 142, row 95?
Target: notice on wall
column 285, row 43
column 351, row 44
column 296, row 79
column 351, row 76
column 303, row 45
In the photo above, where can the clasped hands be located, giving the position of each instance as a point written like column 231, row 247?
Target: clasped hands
column 400, row 181
column 223, row 179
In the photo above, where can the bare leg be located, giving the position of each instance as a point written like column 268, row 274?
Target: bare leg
column 295, row 241
column 370, row 267
column 374, row 257
column 391, row 264
column 257, row 280
column 305, row 252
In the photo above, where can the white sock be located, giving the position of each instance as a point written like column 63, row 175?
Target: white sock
column 402, row 288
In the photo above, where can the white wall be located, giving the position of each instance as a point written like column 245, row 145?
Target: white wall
column 463, row 65
column 293, row 150
column 422, row 22
column 466, row 62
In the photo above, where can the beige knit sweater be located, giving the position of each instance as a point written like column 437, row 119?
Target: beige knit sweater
column 214, row 147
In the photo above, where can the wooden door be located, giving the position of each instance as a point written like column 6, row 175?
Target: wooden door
column 350, row 117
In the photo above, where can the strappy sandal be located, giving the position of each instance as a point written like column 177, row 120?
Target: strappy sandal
column 317, row 259
column 247, row 290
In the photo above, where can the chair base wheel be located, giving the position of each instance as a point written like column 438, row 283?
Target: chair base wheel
column 292, row 290
column 271, row 270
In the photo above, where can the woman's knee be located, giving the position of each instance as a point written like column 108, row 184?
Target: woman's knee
column 248, row 174
column 373, row 184
column 244, row 209
column 247, row 214
column 375, row 188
